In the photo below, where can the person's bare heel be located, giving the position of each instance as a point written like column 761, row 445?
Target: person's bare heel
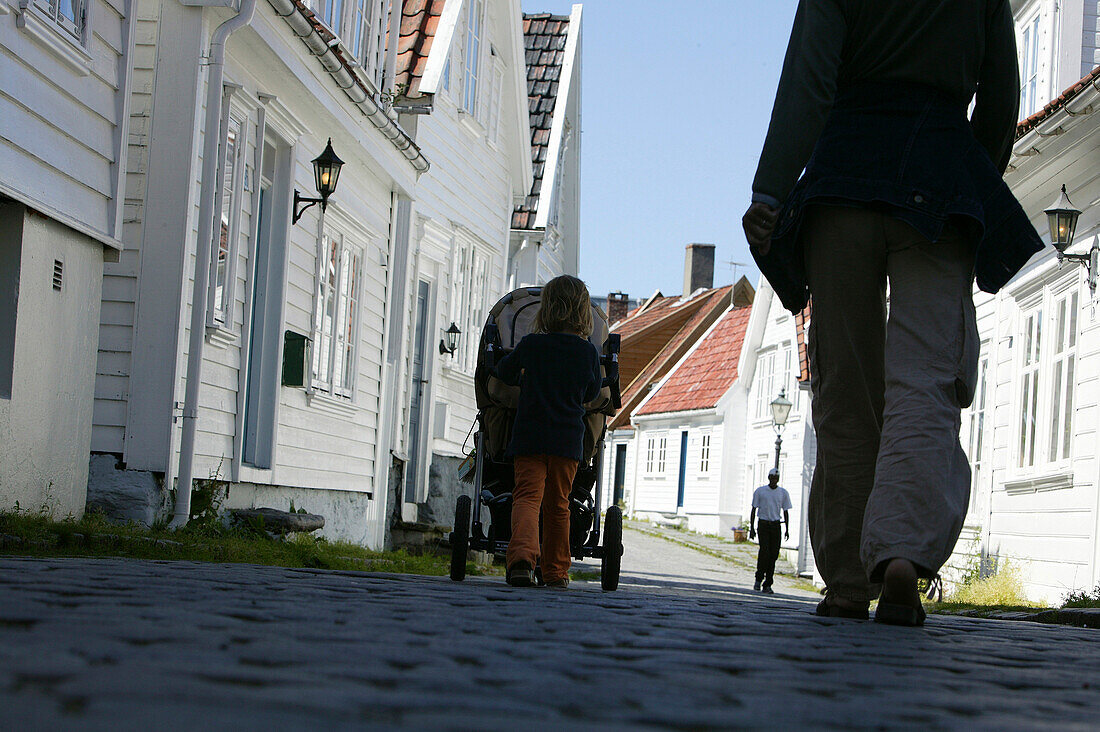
column 900, row 602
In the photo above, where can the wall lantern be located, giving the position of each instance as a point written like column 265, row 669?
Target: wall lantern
column 1062, row 219
column 449, row 342
column 326, row 171
column 781, row 409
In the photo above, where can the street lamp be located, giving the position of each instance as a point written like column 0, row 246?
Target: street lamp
column 449, row 342
column 781, row 409
column 326, row 172
column 1062, row 220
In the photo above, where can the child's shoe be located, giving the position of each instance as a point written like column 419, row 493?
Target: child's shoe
column 521, row 574
column 559, row 584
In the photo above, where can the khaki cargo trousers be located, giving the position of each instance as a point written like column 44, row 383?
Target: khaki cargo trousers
column 892, row 480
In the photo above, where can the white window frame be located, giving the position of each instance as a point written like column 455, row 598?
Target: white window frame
column 470, row 281
column 662, row 454
column 229, row 200
column 1044, row 388
column 650, row 455
column 1029, row 65
column 471, row 67
column 704, row 453
column 334, row 362
column 73, row 27
column 765, row 382
column 976, row 442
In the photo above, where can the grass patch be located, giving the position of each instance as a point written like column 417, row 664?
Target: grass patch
column 584, row 575
column 1082, row 599
column 26, row 534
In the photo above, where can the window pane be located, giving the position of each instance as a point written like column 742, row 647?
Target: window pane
column 1023, row 422
column 1073, row 320
column 1056, row 404
column 225, row 220
column 1067, row 424
column 1060, row 327
column 1033, row 417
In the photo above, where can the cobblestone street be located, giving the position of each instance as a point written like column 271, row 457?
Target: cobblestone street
column 110, row 644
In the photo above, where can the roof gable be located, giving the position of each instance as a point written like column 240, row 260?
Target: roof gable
column 544, row 37
column 701, row 379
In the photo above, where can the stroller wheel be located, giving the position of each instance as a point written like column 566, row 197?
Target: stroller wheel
column 460, row 539
column 612, row 549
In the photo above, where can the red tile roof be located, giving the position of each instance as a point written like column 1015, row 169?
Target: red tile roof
column 544, row 38
column 1091, row 79
column 419, row 19
column 701, row 380
column 688, row 321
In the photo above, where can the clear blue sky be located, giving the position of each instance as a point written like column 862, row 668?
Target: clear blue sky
column 676, row 101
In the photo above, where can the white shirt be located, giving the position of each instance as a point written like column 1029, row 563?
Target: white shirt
column 771, row 502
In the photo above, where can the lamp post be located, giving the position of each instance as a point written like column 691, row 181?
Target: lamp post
column 781, row 409
column 449, row 342
column 1062, row 220
column 326, row 172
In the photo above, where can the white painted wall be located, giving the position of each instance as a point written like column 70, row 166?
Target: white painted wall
column 45, row 424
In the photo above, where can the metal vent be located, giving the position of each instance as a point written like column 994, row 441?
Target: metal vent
column 58, row 274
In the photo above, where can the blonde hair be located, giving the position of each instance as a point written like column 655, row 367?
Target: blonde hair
column 566, row 307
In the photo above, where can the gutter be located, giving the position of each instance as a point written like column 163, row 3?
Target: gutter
column 203, row 247
column 313, row 34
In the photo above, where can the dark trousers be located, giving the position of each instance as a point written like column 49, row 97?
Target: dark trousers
column 768, row 531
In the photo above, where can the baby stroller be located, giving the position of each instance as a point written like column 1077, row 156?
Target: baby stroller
column 510, row 320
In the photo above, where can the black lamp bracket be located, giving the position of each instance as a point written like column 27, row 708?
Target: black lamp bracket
column 300, row 199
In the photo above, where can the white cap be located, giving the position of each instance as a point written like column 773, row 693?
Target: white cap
column 773, row 471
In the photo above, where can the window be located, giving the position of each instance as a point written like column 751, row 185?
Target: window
column 472, row 57
column 1029, row 68
column 360, row 26
column 1029, row 394
column 704, row 454
column 227, row 226
column 650, row 454
column 69, row 14
column 766, row 386
column 1061, row 394
column 1048, row 373
column 470, row 292
column 662, row 444
column 977, row 432
column 336, row 319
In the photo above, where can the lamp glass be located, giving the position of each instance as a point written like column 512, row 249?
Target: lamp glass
column 451, row 335
column 326, row 170
column 1062, row 220
column 781, row 408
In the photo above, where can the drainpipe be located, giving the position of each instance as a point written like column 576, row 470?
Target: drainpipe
column 397, row 8
column 211, row 138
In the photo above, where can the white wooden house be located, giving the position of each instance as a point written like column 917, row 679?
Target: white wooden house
column 1031, row 433
column 293, row 78
column 775, row 361
column 466, row 98
column 368, row 285
column 689, row 450
column 64, row 85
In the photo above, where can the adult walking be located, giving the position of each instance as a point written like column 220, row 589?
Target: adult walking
column 900, row 186
column 772, row 501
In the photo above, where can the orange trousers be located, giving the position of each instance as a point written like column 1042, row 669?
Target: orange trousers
column 542, row 482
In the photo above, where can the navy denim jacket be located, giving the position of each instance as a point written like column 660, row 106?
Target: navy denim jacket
column 912, row 151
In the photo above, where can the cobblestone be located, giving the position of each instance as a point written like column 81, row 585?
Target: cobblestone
column 108, row 644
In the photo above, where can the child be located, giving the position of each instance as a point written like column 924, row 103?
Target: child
column 557, row 371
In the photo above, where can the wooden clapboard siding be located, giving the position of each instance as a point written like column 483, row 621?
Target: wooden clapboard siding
column 118, row 309
column 60, row 126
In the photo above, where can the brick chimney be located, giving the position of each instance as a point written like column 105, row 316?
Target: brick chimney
column 618, row 305
column 698, row 268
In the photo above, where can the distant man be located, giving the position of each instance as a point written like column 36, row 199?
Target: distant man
column 769, row 500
